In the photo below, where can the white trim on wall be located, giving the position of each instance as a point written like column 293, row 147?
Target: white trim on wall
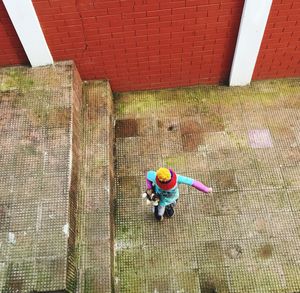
column 252, row 27
column 27, row 26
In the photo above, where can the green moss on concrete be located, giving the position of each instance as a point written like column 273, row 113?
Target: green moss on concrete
column 170, row 99
column 25, row 92
column 212, row 107
column 176, row 162
column 206, row 98
column 237, row 140
column 16, row 80
column 28, row 149
column 130, row 274
column 59, row 117
column 214, row 122
column 128, row 234
column 265, row 276
column 135, row 103
column 100, row 162
column 291, row 274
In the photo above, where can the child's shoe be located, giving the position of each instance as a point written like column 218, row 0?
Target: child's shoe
column 169, row 211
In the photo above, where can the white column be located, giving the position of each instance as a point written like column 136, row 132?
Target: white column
column 252, row 27
column 27, row 26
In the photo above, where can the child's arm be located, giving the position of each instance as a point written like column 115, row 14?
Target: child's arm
column 200, row 186
column 150, row 178
column 148, row 183
column 196, row 184
column 149, row 194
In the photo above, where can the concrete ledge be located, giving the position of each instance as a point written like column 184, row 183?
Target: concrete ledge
column 39, row 141
column 95, row 216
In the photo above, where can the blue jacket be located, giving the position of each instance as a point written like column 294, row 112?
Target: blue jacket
column 169, row 196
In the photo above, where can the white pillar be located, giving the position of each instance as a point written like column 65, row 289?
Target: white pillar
column 27, row 26
column 252, row 27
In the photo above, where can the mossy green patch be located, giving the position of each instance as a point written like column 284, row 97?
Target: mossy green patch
column 291, row 274
column 267, row 278
column 204, row 111
column 24, row 92
column 212, row 251
column 264, row 277
column 16, row 80
column 239, row 141
column 181, row 281
column 127, row 233
column 208, row 99
column 213, row 122
column 28, row 149
column 129, row 271
column 169, row 100
column 175, row 161
column 100, row 162
column 146, row 103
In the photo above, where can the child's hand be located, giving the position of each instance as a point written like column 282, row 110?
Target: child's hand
column 210, row 190
column 151, row 197
column 147, row 194
column 149, row 191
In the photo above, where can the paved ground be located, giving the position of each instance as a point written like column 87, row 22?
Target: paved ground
column 244, row 142
column 35, row 160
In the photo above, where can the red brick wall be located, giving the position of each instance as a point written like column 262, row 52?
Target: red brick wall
column 11, row 50
column 279, row 54
column 147, row 44
column 144, row 44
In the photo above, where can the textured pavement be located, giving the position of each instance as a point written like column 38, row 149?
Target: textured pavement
column 36, row 109
column 244, row 143
column 96, row 171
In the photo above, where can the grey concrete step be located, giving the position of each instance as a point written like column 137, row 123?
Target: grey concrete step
column 39, row 147
column 96, row 189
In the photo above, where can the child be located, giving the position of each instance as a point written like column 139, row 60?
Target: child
column 162, row 187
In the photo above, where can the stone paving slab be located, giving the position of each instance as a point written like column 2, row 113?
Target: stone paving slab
column 244, row 142
column 38, row 109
